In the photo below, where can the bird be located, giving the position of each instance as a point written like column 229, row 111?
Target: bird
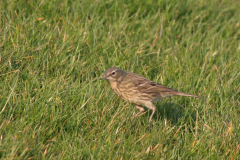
column 139, row 90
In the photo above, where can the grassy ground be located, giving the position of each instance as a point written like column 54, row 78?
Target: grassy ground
column 53, row 105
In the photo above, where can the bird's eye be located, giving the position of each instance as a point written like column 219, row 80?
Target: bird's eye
column 113, row 73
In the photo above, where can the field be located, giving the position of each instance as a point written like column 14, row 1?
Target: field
column 54, row 106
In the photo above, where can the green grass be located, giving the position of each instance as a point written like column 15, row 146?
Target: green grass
column 53, row 105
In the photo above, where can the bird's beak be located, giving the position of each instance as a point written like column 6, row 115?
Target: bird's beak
column 103, row 77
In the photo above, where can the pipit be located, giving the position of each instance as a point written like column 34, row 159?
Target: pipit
column 138, row 89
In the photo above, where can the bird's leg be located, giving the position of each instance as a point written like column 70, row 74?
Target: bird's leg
column 151, row 106
column 141, row 110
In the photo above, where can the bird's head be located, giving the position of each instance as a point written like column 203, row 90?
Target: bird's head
column 113, row 74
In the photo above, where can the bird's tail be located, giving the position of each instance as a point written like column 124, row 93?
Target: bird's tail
column 186, row 94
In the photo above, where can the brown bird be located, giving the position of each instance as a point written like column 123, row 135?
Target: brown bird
column 138, row 89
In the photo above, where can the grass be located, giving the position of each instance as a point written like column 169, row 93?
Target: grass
column 53, row 105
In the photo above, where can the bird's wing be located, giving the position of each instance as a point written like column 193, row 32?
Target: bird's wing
column 147, row 86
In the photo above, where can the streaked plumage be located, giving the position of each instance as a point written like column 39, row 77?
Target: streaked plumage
column 138, row 89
